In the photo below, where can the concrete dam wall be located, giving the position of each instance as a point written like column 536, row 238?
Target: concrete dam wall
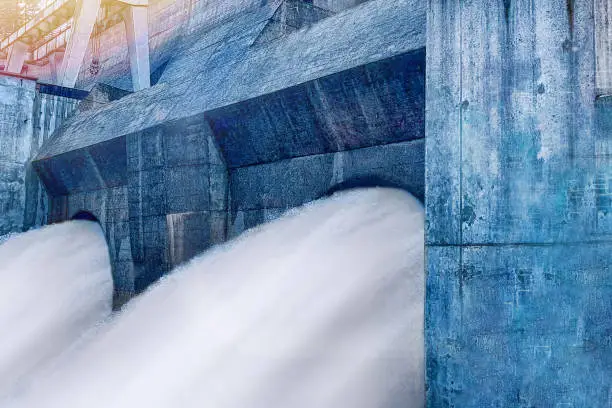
column 28, row 117
column 199, row 158
column 518, row 206
column 490, row 112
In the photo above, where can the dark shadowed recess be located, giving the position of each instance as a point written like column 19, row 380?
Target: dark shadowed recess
column 370, row 182
column 85, row 216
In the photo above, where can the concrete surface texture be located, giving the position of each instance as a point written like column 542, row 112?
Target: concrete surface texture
column 492, row 112
column 518, row 206
column 198, row 158
column 16, row 102
column 169, row 21
column 27, row 119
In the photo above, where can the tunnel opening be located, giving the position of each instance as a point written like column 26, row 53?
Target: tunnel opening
column 84, row 216
column 370, row 182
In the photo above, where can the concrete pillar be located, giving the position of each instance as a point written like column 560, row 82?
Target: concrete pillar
column 519, row 231
column 137, row 29
column 55, row 64
column 85, row 16
column 17, row 57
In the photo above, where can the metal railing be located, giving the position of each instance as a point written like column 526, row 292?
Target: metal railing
column 59, row 39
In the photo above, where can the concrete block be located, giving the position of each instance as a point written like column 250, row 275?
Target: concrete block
column 182, row 147
column 118, row 235
column 111, row 162
column 442, row 326
column 236, row 224
column 147, row 193
column 214, row 153
column 443, row 136
column 76, row 171
column 116, row 199
column 291, row 16
column 290, row 183
column 378, row 103
column 190, row 234
column 148, row 236
column 145, row 150
column 187, row 189
column 399, row 165
column 76, row 203
column 516, row 170
column 283, row 184
column 123, row 277
column 540, row 310
column 58, row 208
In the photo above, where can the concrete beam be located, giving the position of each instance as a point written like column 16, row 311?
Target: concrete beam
column 17, row 57
column 85, row 16
column 137, row 29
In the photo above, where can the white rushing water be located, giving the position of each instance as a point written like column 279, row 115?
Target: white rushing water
column 55, row 284
column 321, row 308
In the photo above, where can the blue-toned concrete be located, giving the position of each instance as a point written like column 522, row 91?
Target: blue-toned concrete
column 518, row 215
column 199, row 78
column 490, row 115
column 16, row 102
column 239, row 129
column 177, row 197
column 290, row 16
column 377, row 103
column 263, row 192
column 27, row 119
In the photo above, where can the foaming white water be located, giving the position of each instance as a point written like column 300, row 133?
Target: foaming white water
column 321, row 308
column 55, row 283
